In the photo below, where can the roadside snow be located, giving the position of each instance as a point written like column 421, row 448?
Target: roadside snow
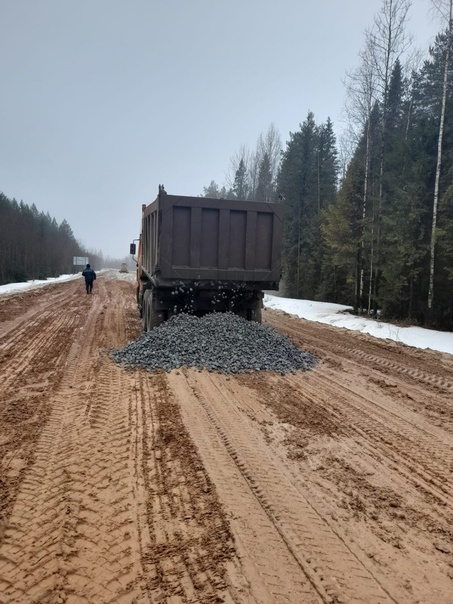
column 338, row 316
column 110, row 273
column 36, row 283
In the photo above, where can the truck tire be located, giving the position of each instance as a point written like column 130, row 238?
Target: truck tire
column 156, row 318
column 257, row 316
column 254, row 312
column 150, row 317
column 144, row 321
column 146, row 308
column 138, row 302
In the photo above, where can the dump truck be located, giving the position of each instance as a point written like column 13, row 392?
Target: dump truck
column 199, row 255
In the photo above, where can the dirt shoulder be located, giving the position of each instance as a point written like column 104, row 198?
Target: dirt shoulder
column 333, row 485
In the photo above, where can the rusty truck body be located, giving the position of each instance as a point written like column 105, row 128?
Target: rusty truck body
column 199, row 255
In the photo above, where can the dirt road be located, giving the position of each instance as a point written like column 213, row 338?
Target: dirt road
column 334, row 485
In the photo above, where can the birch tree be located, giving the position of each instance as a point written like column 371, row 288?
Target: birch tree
column 444, row 8
column 361, row 94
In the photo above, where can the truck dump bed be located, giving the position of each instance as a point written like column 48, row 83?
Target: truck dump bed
column 199, row 238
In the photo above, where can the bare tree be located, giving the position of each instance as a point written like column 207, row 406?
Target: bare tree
column 367, row 89
column 270, row 144
column 444, row 9
column 387, row 41
column 243, row 155
column 362, row 91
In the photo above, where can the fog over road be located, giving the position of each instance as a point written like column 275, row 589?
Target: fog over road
column 332, row 485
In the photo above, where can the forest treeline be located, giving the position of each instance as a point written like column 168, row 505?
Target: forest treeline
column 34, row 246
column 375, row 231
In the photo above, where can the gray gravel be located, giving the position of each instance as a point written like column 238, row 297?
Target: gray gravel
column 221, row 342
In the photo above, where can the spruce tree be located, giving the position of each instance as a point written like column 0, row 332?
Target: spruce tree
column 240, row 186
column 264, row 189
column 307, row 181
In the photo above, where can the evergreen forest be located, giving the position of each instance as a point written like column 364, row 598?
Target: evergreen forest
column 35, row 246
column 369, row 224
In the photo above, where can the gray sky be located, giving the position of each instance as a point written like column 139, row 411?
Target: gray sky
column 102, row 100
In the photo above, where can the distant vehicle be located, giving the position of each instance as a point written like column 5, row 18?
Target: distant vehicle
column 199, row 255
column 123, row 268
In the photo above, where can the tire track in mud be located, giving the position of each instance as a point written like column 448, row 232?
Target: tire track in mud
column 387, row 357
column 420, row 459
column 274, row 579
column 15, row 308
column 375, row 455
column 327, row 564
column 390, row 523
column 422, row 455
column 117, row 506
column 427, row 448
column 417, row 374
column 27, row 331
column 69, row 536
column 32, row 361
column 186, row 545
column 39, row 343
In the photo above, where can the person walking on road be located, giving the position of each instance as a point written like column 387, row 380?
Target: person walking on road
column 90, row 276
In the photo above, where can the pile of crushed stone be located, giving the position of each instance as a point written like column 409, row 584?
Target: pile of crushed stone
column 221, row 342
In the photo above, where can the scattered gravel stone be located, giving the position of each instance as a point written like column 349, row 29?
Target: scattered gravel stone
column 221, row 342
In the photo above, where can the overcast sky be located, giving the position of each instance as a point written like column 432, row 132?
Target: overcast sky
column 102, row 100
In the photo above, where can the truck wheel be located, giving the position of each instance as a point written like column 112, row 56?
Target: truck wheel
column 138, row 301
column 254, row 313
column 257, row 313
column 146, row 309
column 156, row 318
column 145, row 323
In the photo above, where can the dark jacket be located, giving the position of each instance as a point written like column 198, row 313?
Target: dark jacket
column 89, row 275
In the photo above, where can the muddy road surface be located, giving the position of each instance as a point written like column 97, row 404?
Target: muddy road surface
column 333, row 485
